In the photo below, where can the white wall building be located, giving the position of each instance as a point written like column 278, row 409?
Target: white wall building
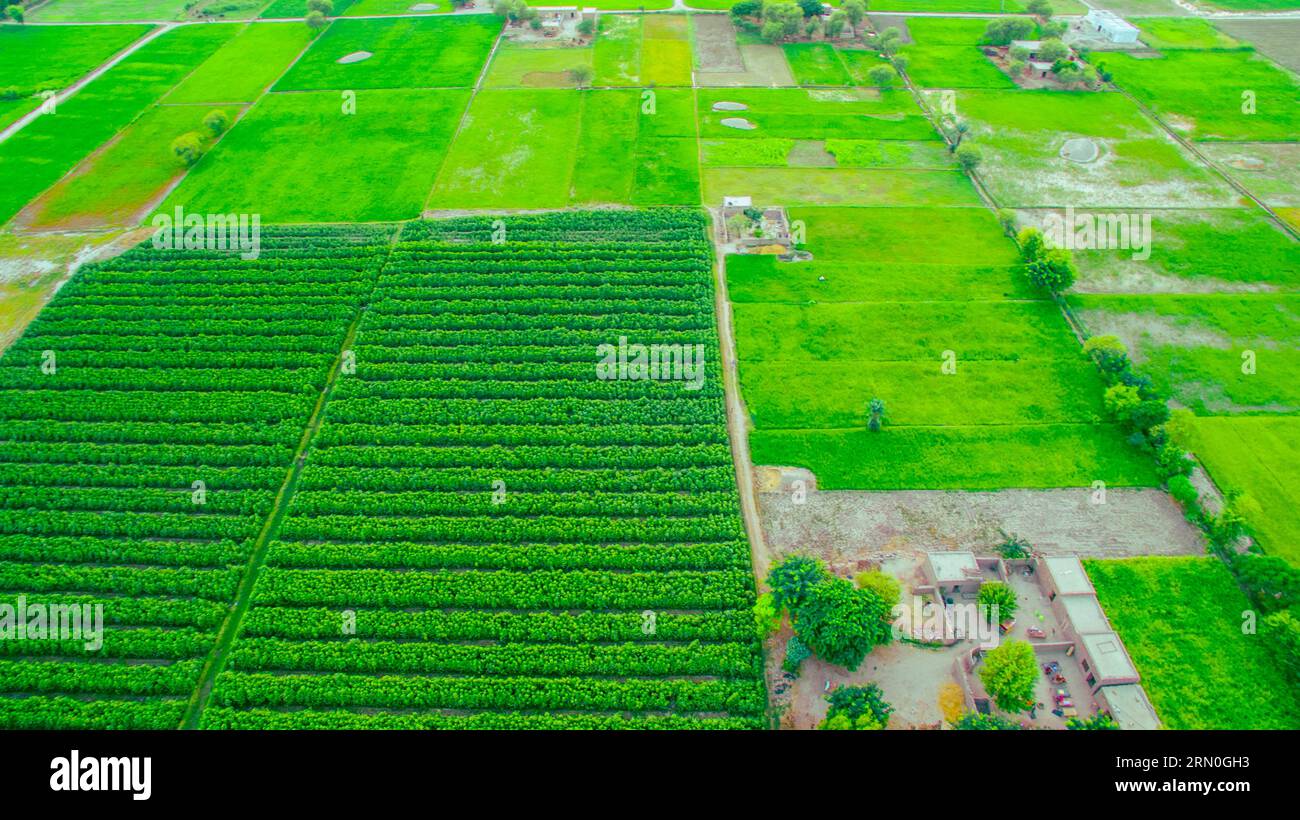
column 1111, row 26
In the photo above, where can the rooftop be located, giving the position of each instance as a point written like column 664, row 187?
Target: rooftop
column 1085, row 614
column 1130, row 707
column 1067, row 572
column 954, row 566
column 1109, row 659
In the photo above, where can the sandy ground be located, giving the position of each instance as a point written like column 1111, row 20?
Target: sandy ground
column 853, row 530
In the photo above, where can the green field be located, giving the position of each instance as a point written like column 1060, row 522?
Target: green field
column 100, row 11
column 39, row 58
column 49, row 147
column 1181, row 621
column 1176, row 32
column 296, row 158
column 116, row 185
column 616, row 58
column 816, row 64
column 243, row 68
column 536, row 66
column 666, row 51
column 1021, row 133
column 953, row 67
column 817, row 340
column 816, row 114
column 298, row 8
column 1260, row 456
column 1187, row 89
column 408, row 52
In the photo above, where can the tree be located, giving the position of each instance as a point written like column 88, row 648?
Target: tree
column 842, row 624
column 325, row 7
column 856, row 11
column 1040, row 8
column 581, row 75
column 1067, row 72
column 1120, row 400
column 1018, row 54
column 889, row 40
column 1031, row 243
column 1183, row 490
column 857, row 707
column 968, row 157
column 188, row 148
column 1108, row 352
column 316, row 21
column 810, row 8
column 877, row 410
column 1002, row 31
column 836, row 22
column 883, row 584
column 1052, row 50
column 791, row 579
column 1282, row 629
column 998, row 601
column 781, row 21
column 1009, row 674
column 216, row 121
column 882, row 76
column 1053, row 270
column 747, row 8
column 587, row 27
column 15, row 13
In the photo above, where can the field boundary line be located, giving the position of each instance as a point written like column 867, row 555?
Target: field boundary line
column 220, row 654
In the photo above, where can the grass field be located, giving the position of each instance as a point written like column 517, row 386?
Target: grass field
column 516, row 66
column 666, row 51
column 1269, row 170
column 100, row 11
column 816, row 64
column 299, row 158
column 298, row 8
column 547, row 151
column 245, row 66
column 1021, row 133
column 953, row 67
column 45, row 150
column 409, row 52
column 1195, row 250
column 616, row 58
column 115, row 185
column 1186, row 89
column 1182, row 32
column 1192, row 346
column 817, row 340
column 842, row 186
column 39, row 58
column 816, row 114
column 1181, row 621
column 1260, row 456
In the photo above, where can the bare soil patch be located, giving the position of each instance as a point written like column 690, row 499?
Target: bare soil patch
column 715, row 44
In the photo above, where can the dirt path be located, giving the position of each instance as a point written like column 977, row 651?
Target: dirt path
column 852, row 529
column 737, row 429
column 62, row 96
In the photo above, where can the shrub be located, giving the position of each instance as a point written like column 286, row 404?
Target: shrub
column 1272, row 583
column 188, row 148
column 883, row 584
column 796, row 652
column 857, row 707
column 767, row 616
column 216, row 122
column 1184, row 491
column 978, row 722
column 1014, row 547
column 1282, row 631
column 747, row 8
column 1097, row 722
column 791, row 579
column 882, row 76
column 1053, row 270
column 316, row 21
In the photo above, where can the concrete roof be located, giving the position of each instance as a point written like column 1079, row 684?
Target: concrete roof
column 1130, row 707
column 954, row 566
column 1067, row 572
column 1109, row 658
column 1032, row 45
column 1109, row 19
column 1085, row 614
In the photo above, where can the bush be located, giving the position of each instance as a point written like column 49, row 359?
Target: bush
column 767, row 616
column 325, row 7
column 882, row 76
column 1271, row 583
column 883, row 584
column 1002, row 31
column 747, row 8
column 969, row 157
column 1172, row 460
column 316, row 21
column 1014, row 547
column 1183, row 491
column 974, row 721
column 1053, row 270
column 796, row 652
column 857, row 707
column 1282, row 631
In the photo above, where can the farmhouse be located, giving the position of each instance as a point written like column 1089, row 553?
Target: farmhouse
column 1111, row 26
column 953, row 573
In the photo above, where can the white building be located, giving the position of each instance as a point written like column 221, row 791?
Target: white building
column 1111, row 26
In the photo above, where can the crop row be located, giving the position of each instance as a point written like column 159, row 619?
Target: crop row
column 516, row 556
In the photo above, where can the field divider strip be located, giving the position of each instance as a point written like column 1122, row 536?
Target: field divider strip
column 220, row 654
